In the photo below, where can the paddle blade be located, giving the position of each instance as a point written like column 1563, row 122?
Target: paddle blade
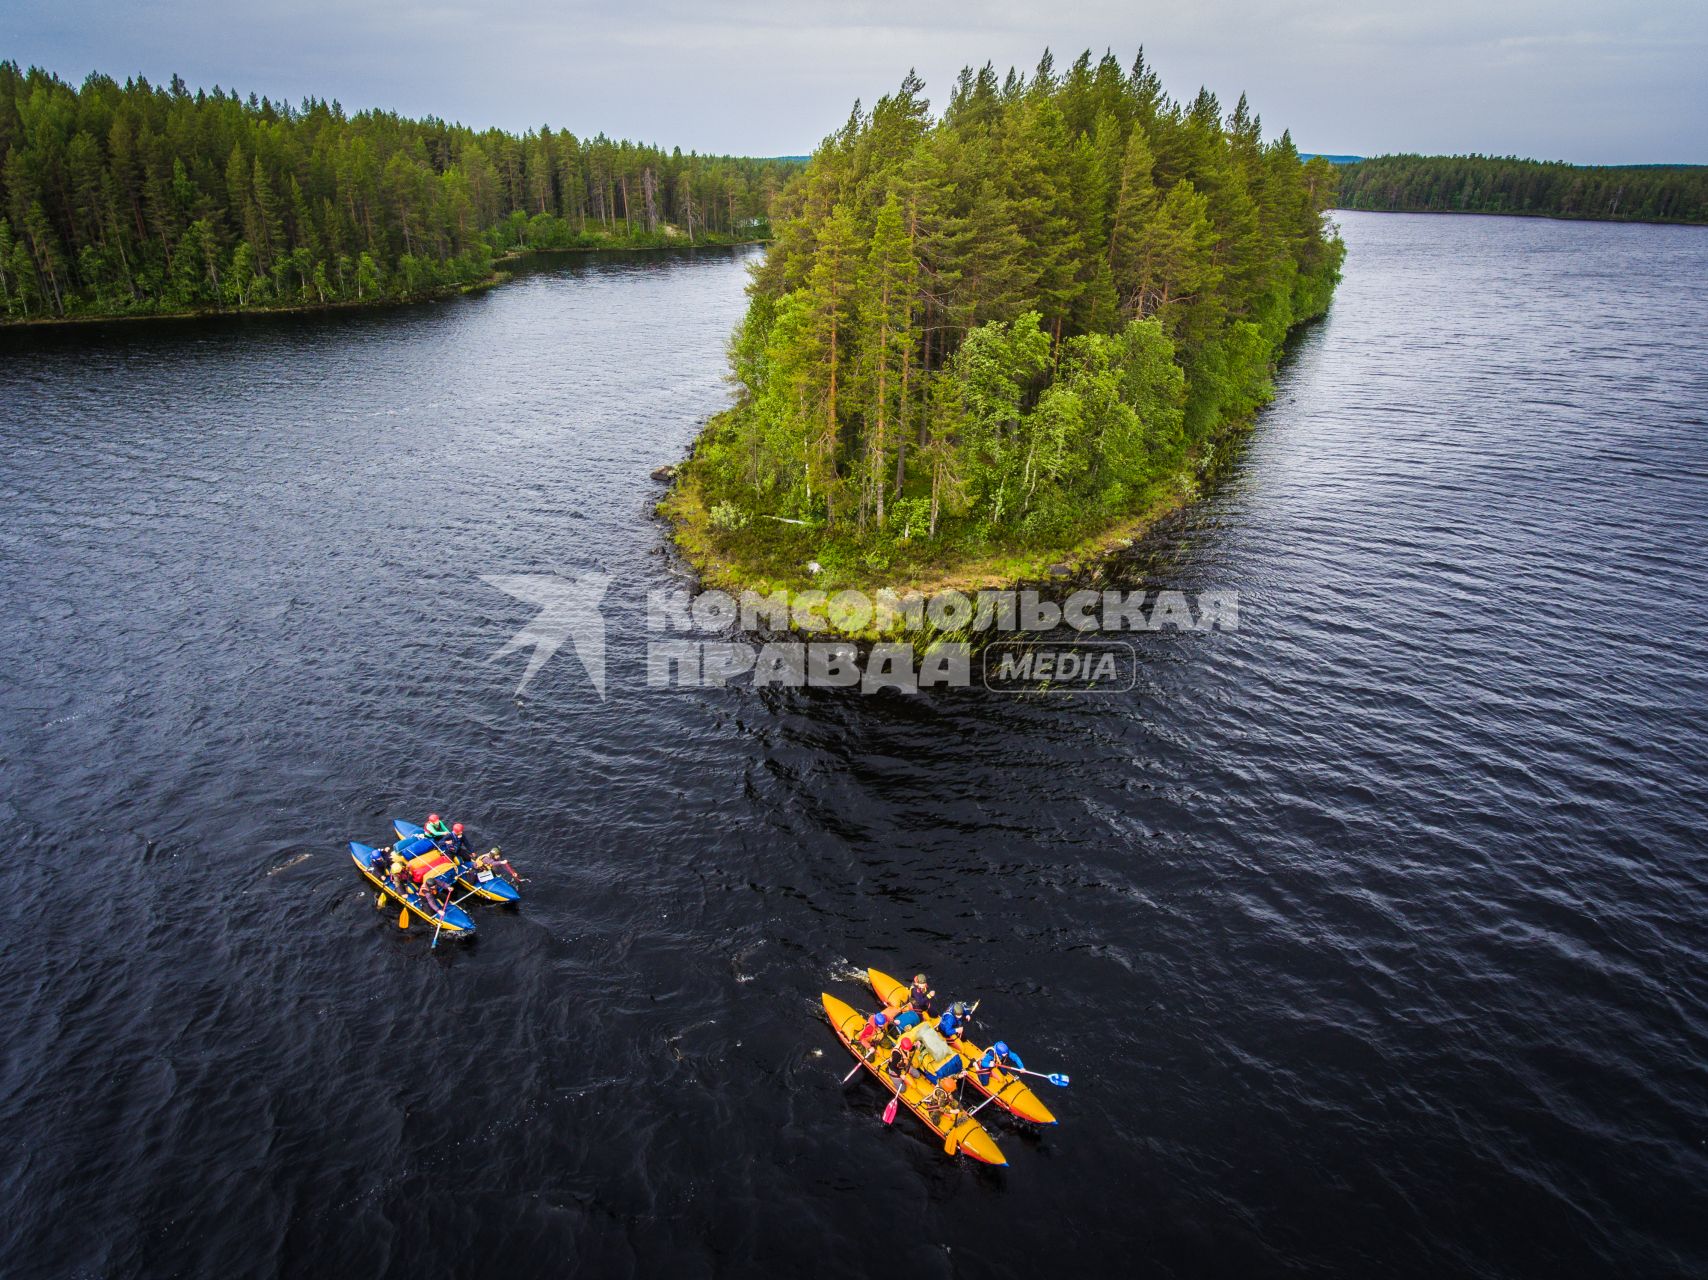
column 403, row 918
column 890, row 1111
column 1056, row 1078
column 950, row 1143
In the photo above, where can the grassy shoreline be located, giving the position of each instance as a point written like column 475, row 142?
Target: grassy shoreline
column 690, row 534
column 498, row 277
column 525, row 252
column 234, row 313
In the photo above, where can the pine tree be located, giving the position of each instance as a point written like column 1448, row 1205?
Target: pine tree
column 886, row 338
column 830, row 292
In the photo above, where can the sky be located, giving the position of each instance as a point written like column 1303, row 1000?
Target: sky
column 1589, row 81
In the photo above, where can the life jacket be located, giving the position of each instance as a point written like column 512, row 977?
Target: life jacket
column 920, row 1000
column 992, row 1059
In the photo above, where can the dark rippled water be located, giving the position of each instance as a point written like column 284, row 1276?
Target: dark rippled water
column 1372, row 934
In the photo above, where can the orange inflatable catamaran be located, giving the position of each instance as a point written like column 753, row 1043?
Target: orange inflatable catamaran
column 936, row 1106
column 1006, row 1089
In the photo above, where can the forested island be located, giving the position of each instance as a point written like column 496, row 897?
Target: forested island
column 133, row 199
column 986, row 341
column 1506, row 184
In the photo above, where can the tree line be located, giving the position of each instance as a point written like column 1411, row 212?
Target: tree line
column 119, row 199
column 1506, row 184
column 1004, row 327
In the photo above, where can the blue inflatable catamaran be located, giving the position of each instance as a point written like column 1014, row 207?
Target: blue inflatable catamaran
column 413, row 841
column 452, row 920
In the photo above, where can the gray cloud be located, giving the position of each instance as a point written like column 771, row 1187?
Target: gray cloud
column 1583, row 80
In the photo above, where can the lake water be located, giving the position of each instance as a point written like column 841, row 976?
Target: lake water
column 1372, row 934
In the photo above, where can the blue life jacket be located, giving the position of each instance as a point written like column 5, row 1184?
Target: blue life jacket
column 992, row 1059
column 907, row 1020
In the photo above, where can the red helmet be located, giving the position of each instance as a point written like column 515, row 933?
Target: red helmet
column 456, row 828
column 432, row 818
column 906, row 1045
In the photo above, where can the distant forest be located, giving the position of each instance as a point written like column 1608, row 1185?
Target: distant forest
column 133, row 199
column 1491, row 184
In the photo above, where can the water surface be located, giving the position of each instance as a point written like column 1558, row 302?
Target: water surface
column 1372, row 934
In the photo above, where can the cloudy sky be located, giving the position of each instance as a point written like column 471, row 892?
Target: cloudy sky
column 1591, row 81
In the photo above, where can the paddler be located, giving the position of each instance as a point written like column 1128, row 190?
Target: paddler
column 998, row 1055
column 872, row 1032
column 915, row 1006
column 435, row 828
column 895, row 1066
column 494, row 858
column 899, row 1065
column 398, row 871
column 454, row 844
column 955, row 1021
column 919, row 995
column 430, row 899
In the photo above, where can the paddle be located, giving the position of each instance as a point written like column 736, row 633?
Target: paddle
column 403, row 917
column 950, row 1142
column 890, row 1111
column 1054, row 1077
column 443, row 907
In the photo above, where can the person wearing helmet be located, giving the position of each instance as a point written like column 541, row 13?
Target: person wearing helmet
column 895, row 1067
column 873, row 1030
column 455, row 843
column 899, row 1065
column 919, row 995
column 998, row 1055
column 435, row 828
column 430, row 899
column 954, row 1023
column 493, row 859
column 398, row 872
